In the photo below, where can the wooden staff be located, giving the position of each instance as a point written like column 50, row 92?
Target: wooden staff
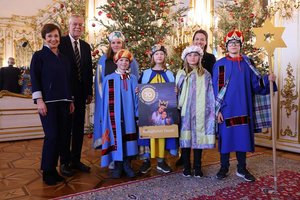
column 273, row 124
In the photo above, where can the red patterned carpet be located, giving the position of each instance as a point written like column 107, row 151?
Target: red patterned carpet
column 175, row 186
column 288, row 188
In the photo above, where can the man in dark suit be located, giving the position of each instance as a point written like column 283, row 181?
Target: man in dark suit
column 9, row 77
column 79, row 54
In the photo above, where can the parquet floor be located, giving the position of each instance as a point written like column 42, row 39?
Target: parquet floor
column 20, row 177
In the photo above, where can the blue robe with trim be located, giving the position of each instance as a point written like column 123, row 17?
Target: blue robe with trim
column 236, row 132
column 120, row 109
column 99, row 77
column 146, row 77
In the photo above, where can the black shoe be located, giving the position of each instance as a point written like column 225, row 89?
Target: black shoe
column 58, row 177
column 222, row 173
column 146, row 167
column 117, row 171
column 49, row 178
column 187, row 172
column 179, row 162
column 81, row 167
column 244, row 173
column 65, row 170
column 127, row 169
column 163, row 167
column 198, row 172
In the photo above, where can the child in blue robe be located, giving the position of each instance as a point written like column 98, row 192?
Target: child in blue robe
column 119, row 134
column 235, row 82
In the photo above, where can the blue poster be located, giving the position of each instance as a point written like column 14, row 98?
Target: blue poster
column 158, row 110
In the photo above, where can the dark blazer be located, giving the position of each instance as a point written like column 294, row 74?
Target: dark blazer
column 66, row 48
column 9, row 79
column 208, row 62
column 51, row 75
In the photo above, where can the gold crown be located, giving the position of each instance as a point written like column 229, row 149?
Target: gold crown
column 163, row 103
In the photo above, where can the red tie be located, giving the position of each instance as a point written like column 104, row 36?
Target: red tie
column 124, row 78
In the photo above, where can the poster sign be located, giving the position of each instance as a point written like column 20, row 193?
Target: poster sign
column 158, row 114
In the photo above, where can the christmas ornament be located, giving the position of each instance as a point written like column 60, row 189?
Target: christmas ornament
column 108, row 15
column 161, row 4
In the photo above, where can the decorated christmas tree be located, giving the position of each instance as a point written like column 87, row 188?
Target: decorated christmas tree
column 242, row 15
column 143, row 22
column 62, row 10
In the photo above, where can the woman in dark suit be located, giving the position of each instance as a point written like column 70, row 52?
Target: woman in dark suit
column 200, row 38
column 51, row 90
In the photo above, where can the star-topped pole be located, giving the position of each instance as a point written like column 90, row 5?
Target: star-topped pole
column 269, row 38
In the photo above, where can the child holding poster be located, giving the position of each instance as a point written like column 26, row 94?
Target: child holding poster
column 119, row 134
column 197, row 104
column 155, row 148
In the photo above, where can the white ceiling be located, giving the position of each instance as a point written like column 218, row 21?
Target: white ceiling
column 22, row 7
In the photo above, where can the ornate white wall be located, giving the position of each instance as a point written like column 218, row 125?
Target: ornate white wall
column 17, row 25
column 286, row 66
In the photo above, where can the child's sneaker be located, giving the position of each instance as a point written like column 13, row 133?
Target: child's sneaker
column 146, row 167
column 127, row 169
column 163, row 167
column 198, row 173
column 222, row 173
column 116, row 173
column 187, row 173
column 244, row 173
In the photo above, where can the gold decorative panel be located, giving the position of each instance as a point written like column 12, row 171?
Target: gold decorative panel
column 289, row 92
column 288, row 132
column 1, row 51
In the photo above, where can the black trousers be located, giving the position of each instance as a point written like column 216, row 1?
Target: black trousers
column 186, row 156
column 241, row 157
column 56, row 129
column 77, row 129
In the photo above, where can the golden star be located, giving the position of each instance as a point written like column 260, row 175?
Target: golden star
column 269, row 37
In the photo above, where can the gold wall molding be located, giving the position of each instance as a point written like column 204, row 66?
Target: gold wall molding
column 288, row 132
column 7, row 93
column 289, row 93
